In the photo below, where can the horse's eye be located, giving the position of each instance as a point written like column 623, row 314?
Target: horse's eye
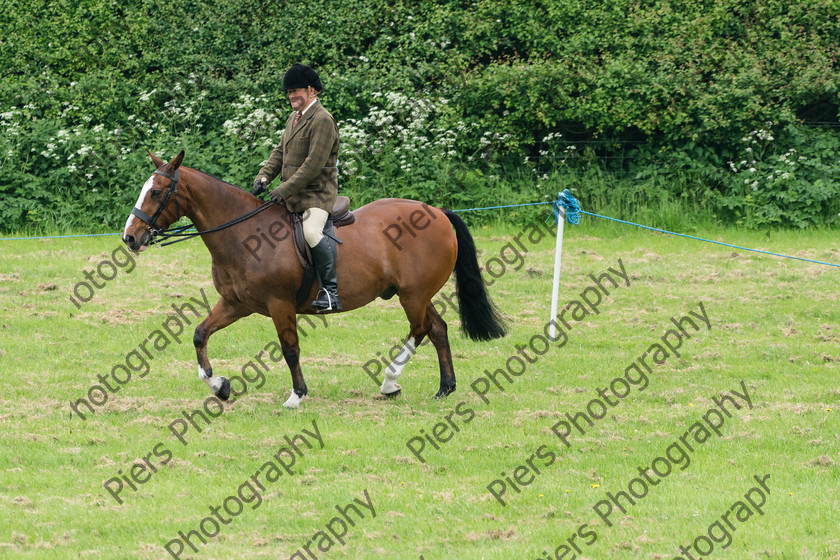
column 155, row 193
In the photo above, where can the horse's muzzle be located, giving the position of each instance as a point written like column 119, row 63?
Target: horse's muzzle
column 136, row 246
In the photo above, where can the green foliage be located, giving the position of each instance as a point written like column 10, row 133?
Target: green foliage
column 102, row 81
column 795, row 187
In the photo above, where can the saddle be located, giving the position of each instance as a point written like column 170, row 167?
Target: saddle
column 340, row 216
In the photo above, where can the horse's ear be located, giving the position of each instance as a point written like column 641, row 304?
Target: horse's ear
column 156, row 160
column 176, row 163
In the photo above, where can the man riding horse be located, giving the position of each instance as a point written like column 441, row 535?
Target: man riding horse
column 305, row 159
column 372, row 265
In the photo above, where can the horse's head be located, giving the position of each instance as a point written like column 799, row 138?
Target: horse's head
column 157, row 206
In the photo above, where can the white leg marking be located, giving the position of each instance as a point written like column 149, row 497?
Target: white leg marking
column 147, row 186
column 294, row 400
column 213, row 383
column 393, row 371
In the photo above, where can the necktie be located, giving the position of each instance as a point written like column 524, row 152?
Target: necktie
column 297, row 118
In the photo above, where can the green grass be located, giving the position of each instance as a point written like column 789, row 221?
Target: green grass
column 775, row 325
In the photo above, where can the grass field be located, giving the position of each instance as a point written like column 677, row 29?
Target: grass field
column 774, row 325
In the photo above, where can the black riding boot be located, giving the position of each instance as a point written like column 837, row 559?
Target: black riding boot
column 325, row 265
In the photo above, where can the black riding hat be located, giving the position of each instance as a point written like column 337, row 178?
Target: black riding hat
column 301, row 76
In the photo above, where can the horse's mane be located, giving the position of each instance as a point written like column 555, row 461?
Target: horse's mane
column 221, row 180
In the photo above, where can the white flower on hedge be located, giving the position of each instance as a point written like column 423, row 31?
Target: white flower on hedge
column 146, row 95
column 764, row 135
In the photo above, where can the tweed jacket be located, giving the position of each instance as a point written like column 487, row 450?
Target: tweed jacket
column 306, row 159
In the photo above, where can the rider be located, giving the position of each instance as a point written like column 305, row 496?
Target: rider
column 305, row 159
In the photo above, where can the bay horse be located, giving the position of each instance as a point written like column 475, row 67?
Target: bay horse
column 395, row 247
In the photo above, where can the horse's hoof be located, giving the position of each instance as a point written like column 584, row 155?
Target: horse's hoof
column 224, row 390
column 444, row 392
column 293, row 401
column 393, row 394
column 390, row 388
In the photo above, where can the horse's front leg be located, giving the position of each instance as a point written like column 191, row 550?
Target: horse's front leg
column 285, row 322
column 222, row 315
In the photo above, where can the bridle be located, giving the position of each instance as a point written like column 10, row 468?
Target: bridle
column 154, row 230
column 159, row 234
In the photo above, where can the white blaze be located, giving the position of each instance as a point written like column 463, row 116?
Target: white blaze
column 147, row 186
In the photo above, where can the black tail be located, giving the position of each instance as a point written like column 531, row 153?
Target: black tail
column 480, row 318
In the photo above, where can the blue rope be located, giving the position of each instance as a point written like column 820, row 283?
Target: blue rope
column 565, row 200
column 570, row 205
column 65, row 236
column 120, row 233
column 709, row 240
column 56, row 236
column 573, row 212
column 506, row 206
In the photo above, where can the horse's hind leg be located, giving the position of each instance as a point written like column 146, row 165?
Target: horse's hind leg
column 222, row 315
column 439, row 337
column 423, row 321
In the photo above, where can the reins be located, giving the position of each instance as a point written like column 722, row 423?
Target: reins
column 180, row 232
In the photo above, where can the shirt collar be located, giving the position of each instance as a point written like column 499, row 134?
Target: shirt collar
column 311, row 103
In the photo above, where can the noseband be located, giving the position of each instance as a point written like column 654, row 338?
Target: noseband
column 154, row 230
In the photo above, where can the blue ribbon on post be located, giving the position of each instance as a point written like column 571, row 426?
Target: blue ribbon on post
column 570, row 206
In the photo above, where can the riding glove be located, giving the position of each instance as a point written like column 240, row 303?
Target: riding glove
column 259, row 186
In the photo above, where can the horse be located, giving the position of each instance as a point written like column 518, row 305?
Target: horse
column 394, row 247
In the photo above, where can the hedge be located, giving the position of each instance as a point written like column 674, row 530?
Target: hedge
column 493, row 99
